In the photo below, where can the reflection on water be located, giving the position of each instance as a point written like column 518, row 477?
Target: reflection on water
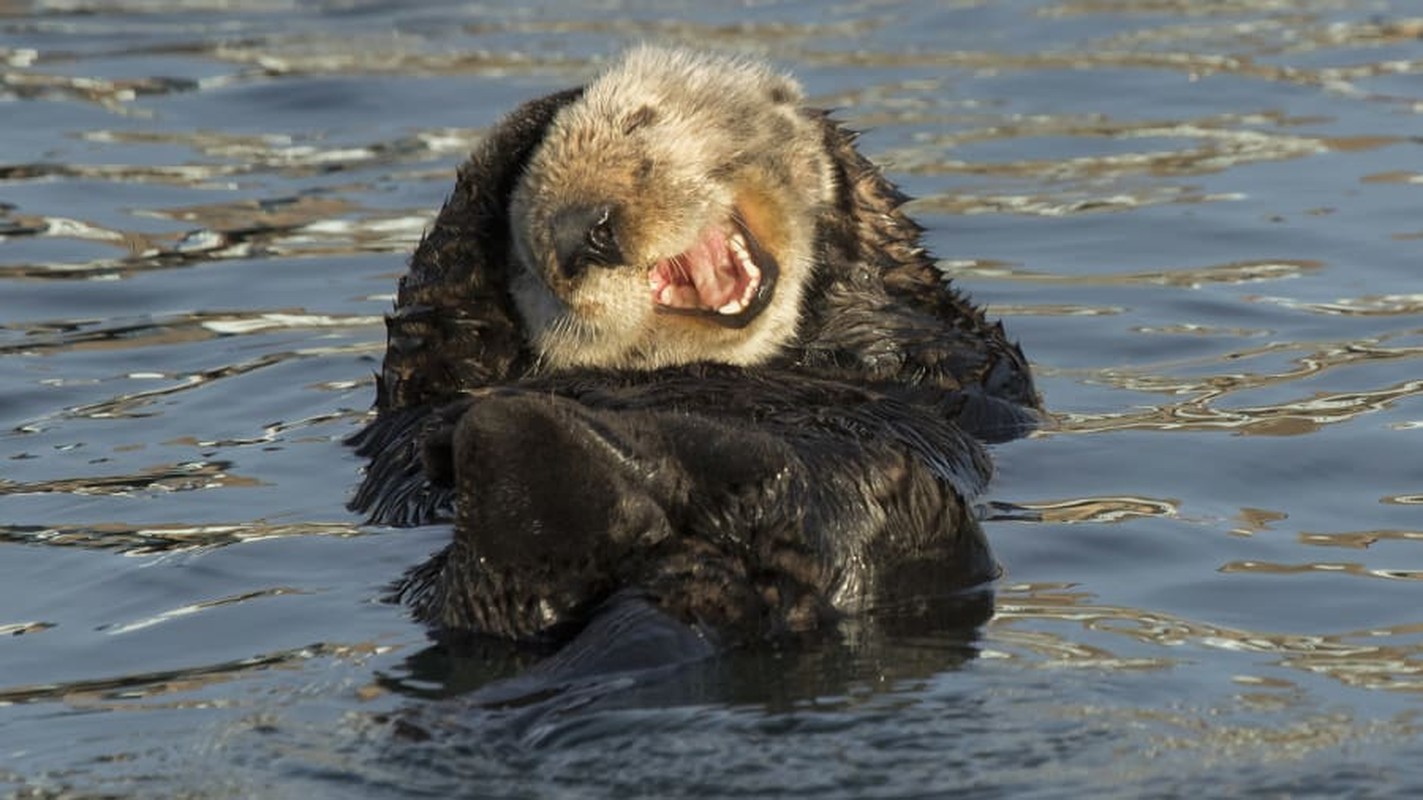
column 1199, row 218
column 1358, row 540
column 155, row 539
column 136, row 691
column 1352, row 657
column 1204, row 411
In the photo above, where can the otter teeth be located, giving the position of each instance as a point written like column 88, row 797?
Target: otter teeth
column 753, row 274
column 714, row 267
column 743, row 255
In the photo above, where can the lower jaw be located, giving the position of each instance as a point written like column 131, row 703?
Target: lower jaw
column 659, row 340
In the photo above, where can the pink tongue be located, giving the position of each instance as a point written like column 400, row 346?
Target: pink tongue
column 709, row 264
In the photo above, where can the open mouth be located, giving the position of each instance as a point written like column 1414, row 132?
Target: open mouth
column 724, row 277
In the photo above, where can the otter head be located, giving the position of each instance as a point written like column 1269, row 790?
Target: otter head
column 668, row 216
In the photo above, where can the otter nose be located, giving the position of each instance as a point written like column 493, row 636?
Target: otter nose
column 584, row 235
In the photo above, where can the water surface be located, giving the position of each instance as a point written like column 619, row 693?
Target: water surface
column 1203, row 221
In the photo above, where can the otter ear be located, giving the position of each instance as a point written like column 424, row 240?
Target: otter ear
column 454, row 327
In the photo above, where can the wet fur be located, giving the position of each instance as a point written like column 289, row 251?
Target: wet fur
column 828, row 471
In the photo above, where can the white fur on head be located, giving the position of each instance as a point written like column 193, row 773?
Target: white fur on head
column 677, row 141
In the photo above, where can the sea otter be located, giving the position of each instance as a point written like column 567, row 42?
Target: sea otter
column 672, row 338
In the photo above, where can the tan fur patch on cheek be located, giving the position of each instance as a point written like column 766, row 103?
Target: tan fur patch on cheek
column 765, row 216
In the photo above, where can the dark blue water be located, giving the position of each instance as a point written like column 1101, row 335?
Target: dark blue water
column 1203, row 220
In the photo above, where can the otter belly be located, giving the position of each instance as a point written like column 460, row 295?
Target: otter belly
column 752, row 504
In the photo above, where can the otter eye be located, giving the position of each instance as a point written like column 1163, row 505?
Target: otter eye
column 583, row 236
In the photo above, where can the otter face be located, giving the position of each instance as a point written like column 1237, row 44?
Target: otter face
column 669, row 216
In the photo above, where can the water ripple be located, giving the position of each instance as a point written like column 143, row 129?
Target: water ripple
column 1385, row 657
column 147, row 540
